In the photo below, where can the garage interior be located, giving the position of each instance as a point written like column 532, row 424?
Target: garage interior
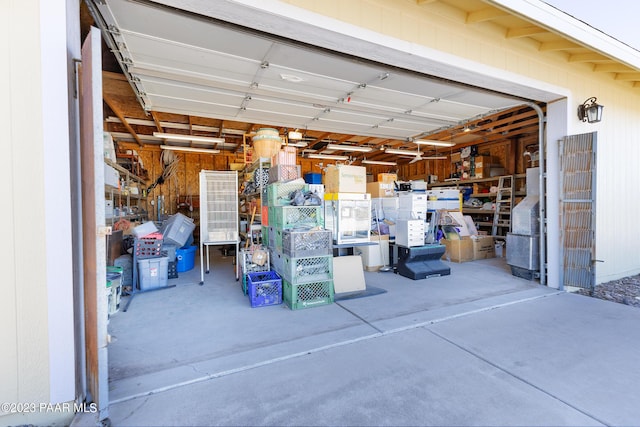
column 225, row 83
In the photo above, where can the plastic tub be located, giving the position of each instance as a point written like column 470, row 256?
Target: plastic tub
column 153, row 272
column 186, row 258
column 177, row 229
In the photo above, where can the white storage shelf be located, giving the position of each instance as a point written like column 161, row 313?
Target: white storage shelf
column 219, row 220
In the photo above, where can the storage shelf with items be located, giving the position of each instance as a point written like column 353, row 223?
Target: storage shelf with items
column 253, row 183
column 480, row 196
column 125, row 194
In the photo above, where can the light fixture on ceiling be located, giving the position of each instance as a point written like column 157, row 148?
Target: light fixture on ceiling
column 402, row 152
column 300, row 144
column 291, row 78
column 183, row 137
column 379, row 162
column 590, row 111
column 340, row 147
column 189, row 149
column 434, row 143
column 294, row 134
column 327, row 156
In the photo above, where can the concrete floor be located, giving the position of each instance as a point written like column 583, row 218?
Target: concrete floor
column 478, row 347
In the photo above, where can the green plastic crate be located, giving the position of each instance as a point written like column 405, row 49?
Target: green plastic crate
column 287, row 217
column 307, row 295
column 306, row 269
column 278, row 192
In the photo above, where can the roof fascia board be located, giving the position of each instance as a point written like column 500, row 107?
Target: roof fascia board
column 291, row 22
column 565, row 24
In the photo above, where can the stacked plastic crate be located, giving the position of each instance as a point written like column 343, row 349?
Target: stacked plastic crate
column 300, row 248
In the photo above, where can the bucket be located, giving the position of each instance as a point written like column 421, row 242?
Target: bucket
column 186, row 258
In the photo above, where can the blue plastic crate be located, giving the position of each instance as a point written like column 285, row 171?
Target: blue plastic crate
column 264, row 288
column 313, row 178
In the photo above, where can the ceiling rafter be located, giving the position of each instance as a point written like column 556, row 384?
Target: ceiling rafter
column 116, row 110
column 156, row 120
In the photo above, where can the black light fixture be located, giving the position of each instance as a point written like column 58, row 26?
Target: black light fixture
column 590, row 111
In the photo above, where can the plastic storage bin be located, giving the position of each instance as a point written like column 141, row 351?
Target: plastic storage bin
column 144, row 229
column 264, row 288
column 313, row 178
column 114, row 288
column 170, row 250
column 177, row 229
column 153, row 273
column 186, row 258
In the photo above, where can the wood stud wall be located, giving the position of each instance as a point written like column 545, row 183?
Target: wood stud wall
column 186, row 181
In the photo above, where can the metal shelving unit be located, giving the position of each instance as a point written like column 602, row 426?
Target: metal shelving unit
column 219, row 220
column 262, row 164
column 131, row 201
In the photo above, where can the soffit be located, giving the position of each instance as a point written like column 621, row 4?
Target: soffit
column 546, row 39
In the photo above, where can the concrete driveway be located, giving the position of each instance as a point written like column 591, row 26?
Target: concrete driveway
column 479, row 347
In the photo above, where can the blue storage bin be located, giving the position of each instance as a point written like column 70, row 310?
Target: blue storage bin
column 313, row 178
column 186, row 258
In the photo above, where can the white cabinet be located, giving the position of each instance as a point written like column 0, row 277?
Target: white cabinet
column 410, row 232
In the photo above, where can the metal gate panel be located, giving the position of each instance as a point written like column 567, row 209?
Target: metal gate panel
column 577, row 210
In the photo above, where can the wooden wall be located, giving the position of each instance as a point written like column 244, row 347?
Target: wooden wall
column 507, row 153
column 182, row 190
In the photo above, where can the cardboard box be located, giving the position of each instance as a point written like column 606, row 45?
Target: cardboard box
column 456, row 157
column 345, row 179
column 482, row 166
column 387, row 178
column 483, row 247
column 380, row 189
column 458, row 250
column 469, row 248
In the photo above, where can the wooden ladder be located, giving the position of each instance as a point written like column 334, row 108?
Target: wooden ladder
column 504, row 203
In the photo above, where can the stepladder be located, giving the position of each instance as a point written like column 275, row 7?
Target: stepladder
column 504, row 205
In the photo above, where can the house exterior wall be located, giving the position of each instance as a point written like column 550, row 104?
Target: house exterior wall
column 485, row 44
column 36, row 311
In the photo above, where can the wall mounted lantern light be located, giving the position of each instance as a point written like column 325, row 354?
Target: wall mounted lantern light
column 590, row 111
